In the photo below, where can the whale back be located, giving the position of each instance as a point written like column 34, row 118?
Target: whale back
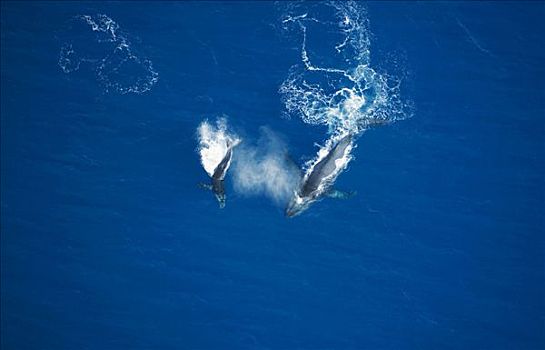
column 325, row 167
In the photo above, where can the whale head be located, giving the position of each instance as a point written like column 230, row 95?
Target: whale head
column 297, row 205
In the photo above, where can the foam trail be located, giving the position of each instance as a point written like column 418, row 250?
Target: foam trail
column 337, row 86
column 264, row 169
column 214, row 140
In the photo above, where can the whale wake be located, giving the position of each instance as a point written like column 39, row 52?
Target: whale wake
column 337, row 87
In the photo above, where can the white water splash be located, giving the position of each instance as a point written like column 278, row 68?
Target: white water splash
column 98, row 41
column 214, row 141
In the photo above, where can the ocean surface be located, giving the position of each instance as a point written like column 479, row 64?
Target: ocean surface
column 107, row 241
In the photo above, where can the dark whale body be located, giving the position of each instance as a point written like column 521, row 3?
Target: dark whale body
column 309, row 190
column 218, row 177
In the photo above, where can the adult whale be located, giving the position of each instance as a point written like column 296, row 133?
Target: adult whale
column 218, row 177
column 318, row 182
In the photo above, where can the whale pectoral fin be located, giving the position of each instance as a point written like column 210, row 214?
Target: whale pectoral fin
column 205, row 186
column 340, row 194
column 377, row 122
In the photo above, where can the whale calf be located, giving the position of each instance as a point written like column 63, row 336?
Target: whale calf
column 317, row 183
column 217, row 184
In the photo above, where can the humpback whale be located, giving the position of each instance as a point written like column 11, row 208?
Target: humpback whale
column 218, row 177
column 317, row 183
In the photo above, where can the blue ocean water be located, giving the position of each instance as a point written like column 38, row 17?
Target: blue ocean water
column 108, row 243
